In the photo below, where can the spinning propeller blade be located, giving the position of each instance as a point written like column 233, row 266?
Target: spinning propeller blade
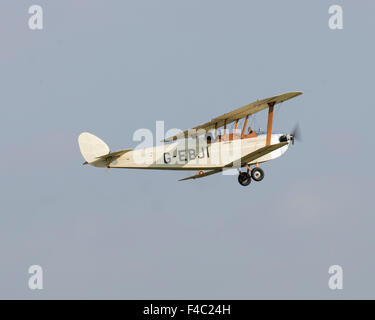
column 296, row 134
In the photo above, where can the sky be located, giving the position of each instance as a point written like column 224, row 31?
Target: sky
column 112, row 67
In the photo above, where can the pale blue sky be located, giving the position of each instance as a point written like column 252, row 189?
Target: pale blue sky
column 111, row 67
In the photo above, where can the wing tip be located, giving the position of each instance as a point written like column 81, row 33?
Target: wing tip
column 296, row 93
column 188, row 178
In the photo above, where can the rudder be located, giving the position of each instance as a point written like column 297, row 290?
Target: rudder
column 91, row 146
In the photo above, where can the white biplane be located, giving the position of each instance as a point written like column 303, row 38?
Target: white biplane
column 207, row 148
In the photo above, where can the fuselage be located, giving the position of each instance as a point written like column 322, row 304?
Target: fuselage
column 193, row 154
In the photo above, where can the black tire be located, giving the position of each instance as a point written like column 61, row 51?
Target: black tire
column 244, row 179
column 257, row 174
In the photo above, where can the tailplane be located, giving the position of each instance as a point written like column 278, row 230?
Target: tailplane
column 96, row 152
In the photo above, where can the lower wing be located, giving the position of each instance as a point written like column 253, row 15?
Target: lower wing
column 243, row 160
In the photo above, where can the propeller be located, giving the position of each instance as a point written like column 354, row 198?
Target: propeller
column 296, row 134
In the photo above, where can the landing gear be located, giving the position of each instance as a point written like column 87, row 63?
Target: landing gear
column 244, row 179
column 257, row 174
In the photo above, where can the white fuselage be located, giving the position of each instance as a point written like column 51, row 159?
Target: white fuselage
column 190, row 155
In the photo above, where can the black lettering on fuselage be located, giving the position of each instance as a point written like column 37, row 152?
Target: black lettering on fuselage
column 201, row 154
column 185, row 155
column 182, row 155
column 192, row 155
column 167, row 160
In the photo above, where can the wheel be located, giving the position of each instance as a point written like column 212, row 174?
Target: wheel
column 244, row 179
column 257, row 174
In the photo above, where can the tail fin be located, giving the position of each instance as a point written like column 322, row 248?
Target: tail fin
column 92, row 147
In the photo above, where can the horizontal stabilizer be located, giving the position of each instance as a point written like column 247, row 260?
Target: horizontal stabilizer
column 109, row 157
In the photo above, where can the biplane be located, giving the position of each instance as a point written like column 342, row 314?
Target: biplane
column 207, row 149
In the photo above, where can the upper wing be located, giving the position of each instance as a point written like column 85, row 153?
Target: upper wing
column 235, row 115
column 243, row 160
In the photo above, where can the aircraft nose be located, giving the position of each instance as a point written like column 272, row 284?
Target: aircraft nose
column 283, row 138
